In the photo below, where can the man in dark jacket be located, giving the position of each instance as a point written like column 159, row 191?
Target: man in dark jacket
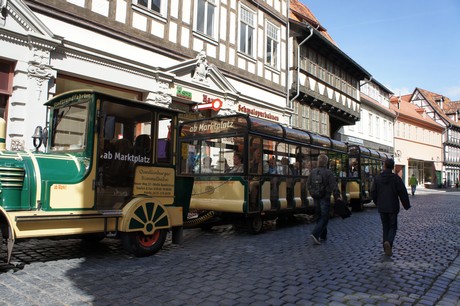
column 387, row 190
column 323, row 205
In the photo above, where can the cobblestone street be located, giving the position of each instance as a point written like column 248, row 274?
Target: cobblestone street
column 278, row 267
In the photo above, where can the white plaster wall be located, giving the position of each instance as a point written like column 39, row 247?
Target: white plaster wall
column 364, row 132
column 105, row 44
column 26, row 109
column 259, row 95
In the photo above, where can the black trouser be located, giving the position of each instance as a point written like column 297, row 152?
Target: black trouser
column 389, row 226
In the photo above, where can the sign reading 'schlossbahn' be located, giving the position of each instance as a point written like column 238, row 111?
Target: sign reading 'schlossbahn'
column 154, row 181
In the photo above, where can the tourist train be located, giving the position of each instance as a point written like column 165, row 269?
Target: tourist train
column 106, row 166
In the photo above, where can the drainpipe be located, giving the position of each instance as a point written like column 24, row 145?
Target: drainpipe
column 366, row 81
column 288, row 28
column 298, row 64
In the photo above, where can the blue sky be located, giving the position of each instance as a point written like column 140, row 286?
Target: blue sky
column 403, row 44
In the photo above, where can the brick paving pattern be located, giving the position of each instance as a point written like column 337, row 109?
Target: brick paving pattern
column 278, row 267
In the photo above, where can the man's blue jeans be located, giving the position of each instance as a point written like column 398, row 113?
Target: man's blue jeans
column 323, row 207
column 413, row 187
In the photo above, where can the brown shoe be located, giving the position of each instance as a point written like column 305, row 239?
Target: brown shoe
column 387, row 248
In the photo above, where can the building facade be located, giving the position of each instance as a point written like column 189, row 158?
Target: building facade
column 181, row 54
column 418, row 143
column 444, row 112
column 374, row 130
column 324, row 92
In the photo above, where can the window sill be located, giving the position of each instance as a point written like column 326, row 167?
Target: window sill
column 272, row 69
column 149, row 13
column 247, row 57
column 205, row 37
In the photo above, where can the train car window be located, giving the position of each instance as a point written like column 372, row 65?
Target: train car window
column 70, row 128
column 124, row 141
column 269, row 157
column 353, row 168
column 255, row 156
column 164, row 142
column 283, row 159
column 212, row 156
column 338, row 164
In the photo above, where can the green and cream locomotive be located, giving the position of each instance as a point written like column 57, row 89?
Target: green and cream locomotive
column 107, row 169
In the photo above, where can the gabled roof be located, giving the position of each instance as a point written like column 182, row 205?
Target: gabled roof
column 21, row 20
column 440, row 104
column 303, row 22
column 365, row 99
column 301, row 13
column 216, row 81
column 405, row 109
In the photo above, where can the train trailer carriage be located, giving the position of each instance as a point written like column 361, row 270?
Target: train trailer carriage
column 108, row 169
column 247, row 170
column 364, row 165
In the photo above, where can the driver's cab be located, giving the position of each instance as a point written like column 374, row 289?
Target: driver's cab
column 110, row 137
column 129, row 135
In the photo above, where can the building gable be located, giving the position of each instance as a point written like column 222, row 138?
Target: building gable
column 435, row 105
column 20, row 24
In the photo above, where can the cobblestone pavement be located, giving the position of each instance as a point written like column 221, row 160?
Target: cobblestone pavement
column 278, row 267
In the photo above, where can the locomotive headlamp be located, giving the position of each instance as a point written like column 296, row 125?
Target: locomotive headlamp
column 37, row 137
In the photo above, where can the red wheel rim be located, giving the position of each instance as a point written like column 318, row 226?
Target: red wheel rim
column 148, row 240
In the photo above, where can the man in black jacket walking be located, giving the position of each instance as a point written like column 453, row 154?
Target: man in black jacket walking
column 387, row 190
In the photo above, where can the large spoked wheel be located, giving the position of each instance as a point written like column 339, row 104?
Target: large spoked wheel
column 144, row 245
column 255, row 224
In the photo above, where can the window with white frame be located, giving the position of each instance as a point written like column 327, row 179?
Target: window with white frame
column 360, row 122
column 324, row 123
column 154, row 5
column 306, row 117
column 377, row 127
column 315, row 121
column 272, row 45
column 371, row 125
column 205, row 17
column 295, row 117
column 247, row 31
column 385, row 130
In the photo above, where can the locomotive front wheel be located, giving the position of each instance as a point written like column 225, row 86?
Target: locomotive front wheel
column 255, row 224
column 144, row 245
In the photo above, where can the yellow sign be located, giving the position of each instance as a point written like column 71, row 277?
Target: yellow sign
column 154, row 181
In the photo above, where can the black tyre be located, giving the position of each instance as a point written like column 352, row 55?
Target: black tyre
column 357, row 205
column 93, row 238
column 255, row 224
column 144, row 245
column 206, row 226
